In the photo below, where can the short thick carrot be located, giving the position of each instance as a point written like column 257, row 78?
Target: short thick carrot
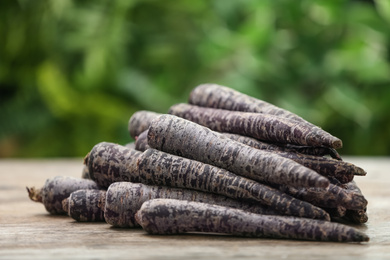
column 178, row 136
column 124, row 199
column 109, row 162
column 162, row 216
column 160, row 168
column 56, row 189
column 260, row 126
column 85, row 205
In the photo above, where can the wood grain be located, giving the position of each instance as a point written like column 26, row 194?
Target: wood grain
column 27, row 231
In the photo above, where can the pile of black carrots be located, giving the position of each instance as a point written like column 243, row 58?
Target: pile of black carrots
column 223, row 163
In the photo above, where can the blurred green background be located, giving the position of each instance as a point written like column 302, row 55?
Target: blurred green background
column 73, row 72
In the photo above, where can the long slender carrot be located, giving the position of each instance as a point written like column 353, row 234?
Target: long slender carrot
column 141, row 143
column 124, row 199
column 109, row 162
column 162, row 216
column 140, row 121
column 217, row 96
column 310, row 150
column 341, row 170
column 260, row 126
column 56, row 189
column 184, row 138
column 160, row 168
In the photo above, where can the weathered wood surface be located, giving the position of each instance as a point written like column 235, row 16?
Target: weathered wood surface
column 27, row 231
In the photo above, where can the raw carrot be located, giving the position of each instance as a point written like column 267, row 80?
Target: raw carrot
column 130, row 145
column 217, row 96
column 260, row 126
column 124, row 199
column 330, row 197
column 358, row 216
column 56, row 189
column 341, row 170
column 310, row 150
column 85, row 205
column 141, row 143
column 336, row 213
column 184, row 138
column 162, row 216
column 140, row 121
column 160, row 168
column 109, row 162
column 85, row 173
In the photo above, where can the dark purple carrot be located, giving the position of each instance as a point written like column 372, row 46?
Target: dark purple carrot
column 162, row 216
column 310, row 150
column 85, row 205
column 141, row 142
column 85, row 173
column 124, row 199
column 109, row 162
column 336, row 213
column 341, row 170
column 178, row 136
column 358, row 216
column 56, row 189
column 140, row 121
column 331, row 197
column 217, row 96
column 160, row 168
column 264, row 127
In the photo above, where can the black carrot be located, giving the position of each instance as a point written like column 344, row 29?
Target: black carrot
column 184, row 138
column 85, row 205
column 260, row 126
column 162, row 216
column 160, row 168
column 109, row 162
column 124, row 199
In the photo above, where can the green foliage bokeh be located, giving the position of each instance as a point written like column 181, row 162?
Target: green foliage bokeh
column 73, row 72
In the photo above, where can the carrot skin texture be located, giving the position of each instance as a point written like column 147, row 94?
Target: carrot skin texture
column 358, row 216
column 85, row 205
column 181, row 137
column 58, row 188
column 310, row 150
column 124, row 199
column 109, row 162
column 260, row 126
column 331, row 197
column 160, row 168
column 221, row 97
column 141, row 143
column 140, row 121
column 341, row 170
column 162, row 216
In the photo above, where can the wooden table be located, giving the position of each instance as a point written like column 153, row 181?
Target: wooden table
column 28, row 231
